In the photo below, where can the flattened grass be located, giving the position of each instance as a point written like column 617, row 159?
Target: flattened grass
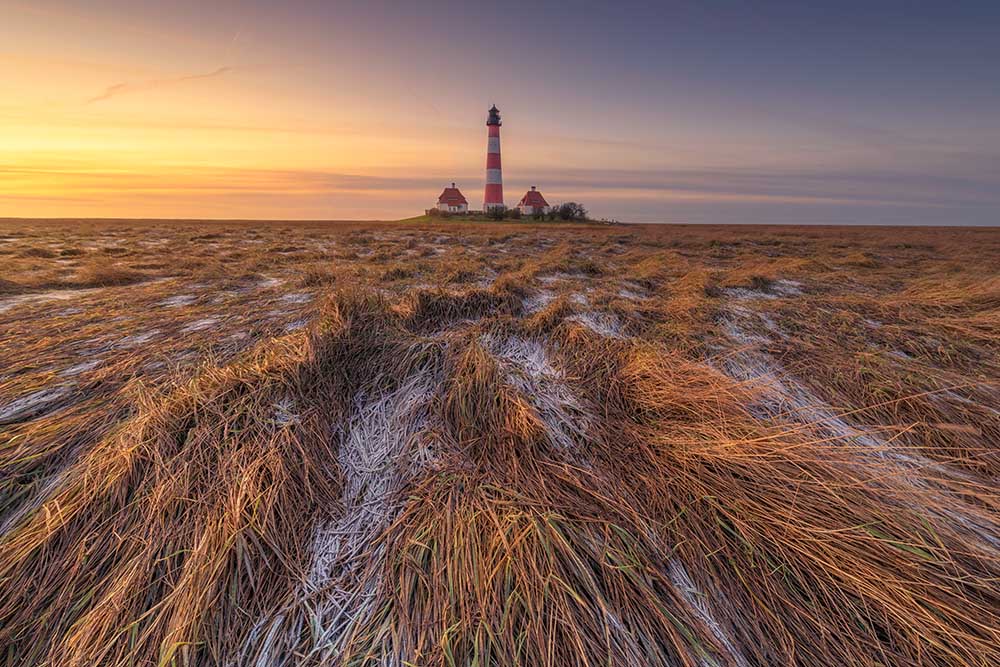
column 185, row 501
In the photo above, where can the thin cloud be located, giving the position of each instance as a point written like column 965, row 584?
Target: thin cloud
column 125, row 87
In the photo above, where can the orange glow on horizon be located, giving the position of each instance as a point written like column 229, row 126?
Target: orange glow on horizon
column 249, row 109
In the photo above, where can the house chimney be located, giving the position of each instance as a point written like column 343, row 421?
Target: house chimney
column 453, row 184
column 532, row 187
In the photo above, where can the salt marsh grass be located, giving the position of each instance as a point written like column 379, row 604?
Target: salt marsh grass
column 284, row 444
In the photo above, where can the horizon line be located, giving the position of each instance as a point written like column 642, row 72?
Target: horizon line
column 512, row 221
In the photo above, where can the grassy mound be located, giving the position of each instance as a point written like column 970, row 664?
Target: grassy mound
column 219, row 523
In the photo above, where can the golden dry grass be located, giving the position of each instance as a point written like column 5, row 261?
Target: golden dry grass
column 498, row 444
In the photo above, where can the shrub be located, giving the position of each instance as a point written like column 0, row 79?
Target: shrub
column 571, row 211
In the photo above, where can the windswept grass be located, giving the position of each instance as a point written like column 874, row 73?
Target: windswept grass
column 498, row 445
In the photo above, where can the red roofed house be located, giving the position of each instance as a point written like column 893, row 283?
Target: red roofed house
column 533, row 202
column 452, row 201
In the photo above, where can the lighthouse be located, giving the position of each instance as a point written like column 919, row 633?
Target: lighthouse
column 493, row 197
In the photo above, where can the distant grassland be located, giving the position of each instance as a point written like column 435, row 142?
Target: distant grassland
column 455, row 443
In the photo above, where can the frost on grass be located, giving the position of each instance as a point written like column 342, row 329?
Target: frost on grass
column 775, row 290
column 82, row 367
column 633, row 291
column 138, row 339
column 631, row 295
column 267, row 283
column 199, row 325
column 178, row 300
column 785, row 398
column 529, row 369
column 603, row 324
column 285, row 413
column 33, row 404
column 12, row 516
column 700, row 604
column 329, row 575
column 949, row 395
column 560, row 276
column 786, row 287
column 537, row 301
column 297, row 298
column 41, row 297
column 381, row 448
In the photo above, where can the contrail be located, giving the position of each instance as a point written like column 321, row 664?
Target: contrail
column 126, row 87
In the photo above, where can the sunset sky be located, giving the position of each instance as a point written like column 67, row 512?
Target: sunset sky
column 785, row 112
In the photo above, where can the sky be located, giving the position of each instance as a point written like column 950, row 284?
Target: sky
column 708, row 112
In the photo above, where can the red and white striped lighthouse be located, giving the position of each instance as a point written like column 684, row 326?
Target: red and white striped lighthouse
column 493, row 198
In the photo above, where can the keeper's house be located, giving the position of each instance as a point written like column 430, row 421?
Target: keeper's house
column 533, row 202
column 452, row 201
